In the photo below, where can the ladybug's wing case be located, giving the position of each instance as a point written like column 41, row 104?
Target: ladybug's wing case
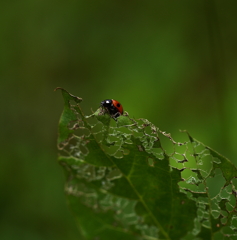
column 118, row 106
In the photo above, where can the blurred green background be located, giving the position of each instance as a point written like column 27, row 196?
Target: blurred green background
column 172, row 62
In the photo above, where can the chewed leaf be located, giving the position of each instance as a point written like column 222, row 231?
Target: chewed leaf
column 129, row 180
column 68, row 116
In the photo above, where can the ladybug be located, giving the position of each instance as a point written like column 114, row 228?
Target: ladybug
column 113, row 107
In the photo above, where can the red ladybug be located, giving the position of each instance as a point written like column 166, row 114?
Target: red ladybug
column 113, row 107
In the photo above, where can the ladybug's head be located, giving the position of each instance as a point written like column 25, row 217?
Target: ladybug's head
column 106, row 103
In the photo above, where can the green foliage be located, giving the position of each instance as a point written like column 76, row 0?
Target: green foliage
column 129, row 180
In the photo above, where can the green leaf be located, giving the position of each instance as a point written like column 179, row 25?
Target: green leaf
column 126, row 179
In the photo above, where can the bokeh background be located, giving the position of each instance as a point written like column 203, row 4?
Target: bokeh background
column 172, row 62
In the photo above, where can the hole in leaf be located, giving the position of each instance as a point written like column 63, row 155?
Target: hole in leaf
column 216, row 160
column 113, row 174
column 118, row 154
column 126, row 151
column 175, row 164
column 234, row 223
column 231, row 204
column 215, row 214
column 204, row 163
column 151, row 162
column 83, row 149
column 99, row 136
column 111, row 150
column 81, row 131
column 224, row 213
column 215, row 183
column 190, row 176
column 140, row 148
column 191, row 163
column 206, row 224
column 190, row 187
column 97, row 128
column 166, row 143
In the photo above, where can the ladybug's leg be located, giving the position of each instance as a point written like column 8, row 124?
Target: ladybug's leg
column 116, row 115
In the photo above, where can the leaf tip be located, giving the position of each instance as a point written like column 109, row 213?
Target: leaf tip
column 57, row 88
column 69, row 95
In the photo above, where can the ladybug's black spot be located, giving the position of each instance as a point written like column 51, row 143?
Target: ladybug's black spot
column 118, row 105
